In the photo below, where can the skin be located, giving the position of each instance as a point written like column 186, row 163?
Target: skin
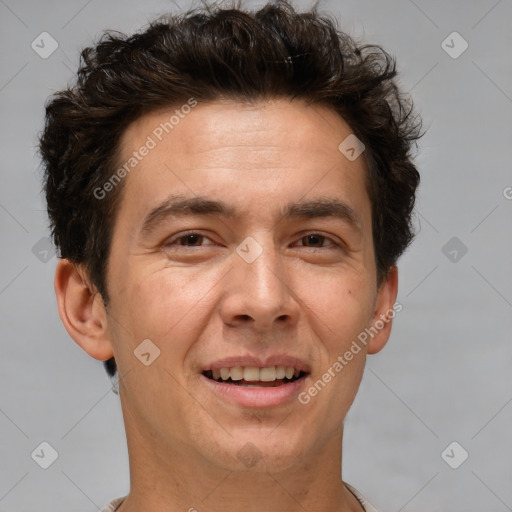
column 199, row 304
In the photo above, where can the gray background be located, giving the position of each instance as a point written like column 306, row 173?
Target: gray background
column 445, row 374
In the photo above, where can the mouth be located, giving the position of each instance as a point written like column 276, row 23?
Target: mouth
column 250, row 381
column 255, row 377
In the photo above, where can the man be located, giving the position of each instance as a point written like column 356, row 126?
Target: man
column 230, row 192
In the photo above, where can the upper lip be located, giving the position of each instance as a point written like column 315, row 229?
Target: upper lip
column 259, row 362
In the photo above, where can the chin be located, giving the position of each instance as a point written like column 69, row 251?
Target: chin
column 260, row 452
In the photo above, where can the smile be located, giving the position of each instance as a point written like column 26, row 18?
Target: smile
column 253, row 377
column 251, row 386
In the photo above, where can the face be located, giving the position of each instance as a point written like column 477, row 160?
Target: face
column 243, row 240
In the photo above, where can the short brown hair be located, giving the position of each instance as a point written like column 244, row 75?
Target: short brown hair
column 210, row 53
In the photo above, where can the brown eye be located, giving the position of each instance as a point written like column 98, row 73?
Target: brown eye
column 316, row 240
column 313, row 239
column 187, row 240
column 190, row 239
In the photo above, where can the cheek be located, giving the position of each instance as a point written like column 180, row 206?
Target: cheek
column 167, row 303
column 343, row 306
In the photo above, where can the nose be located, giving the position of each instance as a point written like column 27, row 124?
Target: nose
column 259, row 294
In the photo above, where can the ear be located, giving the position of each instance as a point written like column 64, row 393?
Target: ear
column 382, row 320
column 82, row 310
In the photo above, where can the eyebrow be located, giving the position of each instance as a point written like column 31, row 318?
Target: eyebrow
column 179, row 206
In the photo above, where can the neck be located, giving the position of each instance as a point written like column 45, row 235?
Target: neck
column 176, row 478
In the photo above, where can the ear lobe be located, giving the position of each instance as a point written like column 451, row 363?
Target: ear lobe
column 82, row 311
column 384, row 312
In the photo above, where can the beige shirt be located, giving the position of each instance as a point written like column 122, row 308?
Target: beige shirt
column 367, row 506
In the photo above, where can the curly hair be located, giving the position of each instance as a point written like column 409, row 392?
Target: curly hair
column 212, row 53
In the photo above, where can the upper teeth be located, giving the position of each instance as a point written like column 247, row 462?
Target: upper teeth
column 253, row 373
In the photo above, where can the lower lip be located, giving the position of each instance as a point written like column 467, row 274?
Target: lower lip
column 256, row 397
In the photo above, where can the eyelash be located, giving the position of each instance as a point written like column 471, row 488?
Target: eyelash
column 174, row 239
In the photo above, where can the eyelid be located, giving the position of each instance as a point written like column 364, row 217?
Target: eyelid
column 334, row 241
column 174, row 238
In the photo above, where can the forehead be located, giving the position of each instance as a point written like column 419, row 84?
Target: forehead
column 226, row 124
column 261, row 153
